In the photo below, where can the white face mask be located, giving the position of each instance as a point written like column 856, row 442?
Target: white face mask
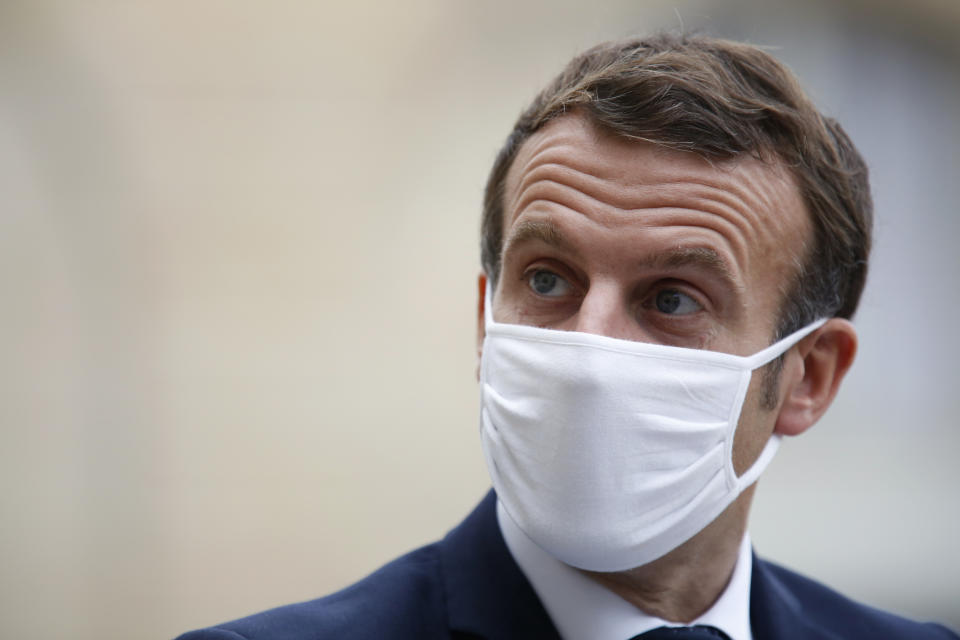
column 610, row 453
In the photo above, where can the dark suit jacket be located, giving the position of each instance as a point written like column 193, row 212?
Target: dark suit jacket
column 468, row 586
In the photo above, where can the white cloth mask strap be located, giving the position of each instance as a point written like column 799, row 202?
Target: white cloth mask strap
column 780, row 347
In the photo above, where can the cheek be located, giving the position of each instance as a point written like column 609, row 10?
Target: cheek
column 755, row 426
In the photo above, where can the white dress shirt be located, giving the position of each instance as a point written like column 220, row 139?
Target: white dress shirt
column 581, row 609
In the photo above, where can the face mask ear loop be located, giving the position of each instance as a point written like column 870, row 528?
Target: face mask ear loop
column 758, row 360
column 778, row 348
column 750, row 475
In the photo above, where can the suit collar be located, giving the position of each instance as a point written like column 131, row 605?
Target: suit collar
column 487, row 594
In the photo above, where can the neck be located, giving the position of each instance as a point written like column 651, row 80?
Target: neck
column 683, row 584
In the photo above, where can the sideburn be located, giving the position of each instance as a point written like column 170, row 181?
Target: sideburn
column 770, row 383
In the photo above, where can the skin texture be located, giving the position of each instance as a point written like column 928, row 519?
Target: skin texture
column 639, row 242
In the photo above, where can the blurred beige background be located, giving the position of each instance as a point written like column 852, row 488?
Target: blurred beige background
column 238, row 250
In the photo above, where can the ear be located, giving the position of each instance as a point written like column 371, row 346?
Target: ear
column 481, row 302
column 813, row 376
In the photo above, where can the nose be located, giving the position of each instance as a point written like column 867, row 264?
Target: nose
column 603, row 311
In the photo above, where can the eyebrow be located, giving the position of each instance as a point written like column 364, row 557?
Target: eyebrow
column 704, row 258
column 537, row 230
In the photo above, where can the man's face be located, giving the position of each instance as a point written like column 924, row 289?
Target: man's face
column 634, row 241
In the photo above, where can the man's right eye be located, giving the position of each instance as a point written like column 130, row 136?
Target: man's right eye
column 547, row 283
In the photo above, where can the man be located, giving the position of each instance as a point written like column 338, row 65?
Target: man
column 673, row 242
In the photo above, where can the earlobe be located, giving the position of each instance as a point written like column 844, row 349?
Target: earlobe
column 825, row 357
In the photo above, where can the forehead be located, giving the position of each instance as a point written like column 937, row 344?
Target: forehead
column 754, row 202
column 574, row 140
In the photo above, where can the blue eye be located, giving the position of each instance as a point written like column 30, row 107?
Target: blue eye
column 547, row 283
column 673, row 302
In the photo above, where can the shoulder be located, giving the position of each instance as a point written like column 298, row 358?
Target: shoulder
column 403, row 599
column 829, row 614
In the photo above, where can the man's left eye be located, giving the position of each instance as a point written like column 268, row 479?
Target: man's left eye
column 674, row 302
column 547, row 283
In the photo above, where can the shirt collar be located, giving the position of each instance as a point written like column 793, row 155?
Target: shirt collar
column 581, row 609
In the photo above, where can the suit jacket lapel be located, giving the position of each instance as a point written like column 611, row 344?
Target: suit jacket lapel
column 487, row 594
column 776, row 613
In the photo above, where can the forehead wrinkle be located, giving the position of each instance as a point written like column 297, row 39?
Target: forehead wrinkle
column 772, row 189
column 659, row 207
column 734, row 181
column 564, row 196
column 602, row 173
column 577, row 178
column 649, row 204
column 724, row 199
column 744, row 206
column 739, row 196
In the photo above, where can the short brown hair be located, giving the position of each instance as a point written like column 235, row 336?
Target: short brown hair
column 717, row 98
